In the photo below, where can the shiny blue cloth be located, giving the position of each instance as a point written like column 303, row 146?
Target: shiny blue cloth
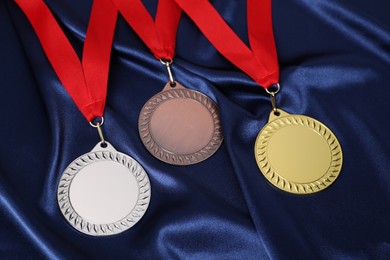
column 334, row 58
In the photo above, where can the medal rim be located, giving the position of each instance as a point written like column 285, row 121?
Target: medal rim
column 95, row 156
column 279, row 181
column 160, row 152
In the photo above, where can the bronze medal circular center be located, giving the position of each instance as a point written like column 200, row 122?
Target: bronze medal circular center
column 181, row 126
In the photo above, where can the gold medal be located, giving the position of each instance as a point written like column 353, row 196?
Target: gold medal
column 296, row 153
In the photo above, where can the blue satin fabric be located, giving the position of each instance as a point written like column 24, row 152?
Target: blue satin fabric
column 335, row 66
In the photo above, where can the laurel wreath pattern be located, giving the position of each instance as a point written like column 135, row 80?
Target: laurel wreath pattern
column 277, row 180
column 95, row 229
column 167, row 156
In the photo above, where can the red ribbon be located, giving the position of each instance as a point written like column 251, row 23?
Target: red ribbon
column 159, row 35
column 260, row 60
column 86, row 81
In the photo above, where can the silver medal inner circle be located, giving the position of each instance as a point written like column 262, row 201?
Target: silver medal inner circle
column 103, row 192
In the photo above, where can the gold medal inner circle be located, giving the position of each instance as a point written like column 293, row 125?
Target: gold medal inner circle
column 182, row 125
column 299, row 153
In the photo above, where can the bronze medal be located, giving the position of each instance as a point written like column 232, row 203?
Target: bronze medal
column 180, row 126
column 298, row 154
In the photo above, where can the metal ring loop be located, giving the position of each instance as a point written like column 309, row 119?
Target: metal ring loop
column 272, row 93
column 98, row 124
column 166, row 62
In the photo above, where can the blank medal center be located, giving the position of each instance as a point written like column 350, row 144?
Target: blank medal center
column 103, row 192
column 299, row 154
column 182, row 126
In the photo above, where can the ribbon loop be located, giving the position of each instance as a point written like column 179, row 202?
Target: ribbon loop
column 86, row 81
column 159, row 35
column 260, row 62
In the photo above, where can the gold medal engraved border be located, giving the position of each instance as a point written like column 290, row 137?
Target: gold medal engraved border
column 169, row 157
column 94, row 229
column 289, row 186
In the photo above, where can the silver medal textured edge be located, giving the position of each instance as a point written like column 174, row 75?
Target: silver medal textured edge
column 173, row 158
column 95, row 229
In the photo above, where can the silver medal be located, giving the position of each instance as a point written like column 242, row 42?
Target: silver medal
column 103, row 192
